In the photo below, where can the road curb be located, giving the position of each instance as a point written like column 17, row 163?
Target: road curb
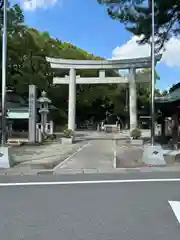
column 116, row 171
column 93, row 171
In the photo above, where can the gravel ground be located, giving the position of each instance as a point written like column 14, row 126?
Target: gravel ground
column 129, row 156
column 45, row 156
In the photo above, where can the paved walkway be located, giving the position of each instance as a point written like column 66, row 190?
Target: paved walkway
column 97, row 154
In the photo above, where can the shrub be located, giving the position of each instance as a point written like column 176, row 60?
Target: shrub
column 68, row 133
column 51, row 137
column 136, row 133
column 65, row 127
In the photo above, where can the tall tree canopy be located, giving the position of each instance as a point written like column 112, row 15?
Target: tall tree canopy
column 136, row 15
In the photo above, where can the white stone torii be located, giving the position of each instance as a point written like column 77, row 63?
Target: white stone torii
column 96, row 80
column 101, row 65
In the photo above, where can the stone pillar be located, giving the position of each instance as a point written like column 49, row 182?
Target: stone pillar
column 132, row 99
column 51, row 127
column 32, row 114
column 43, row 122
column 72, row 100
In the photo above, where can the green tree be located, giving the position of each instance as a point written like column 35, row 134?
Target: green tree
column 136, row 15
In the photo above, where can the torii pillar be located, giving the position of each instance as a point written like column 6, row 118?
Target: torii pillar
column 72, row 100
column 132, row 99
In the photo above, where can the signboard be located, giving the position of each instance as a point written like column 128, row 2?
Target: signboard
column 32, row 113
column 18, row 115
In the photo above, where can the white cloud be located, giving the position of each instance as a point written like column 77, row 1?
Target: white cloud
column 131, row 49
column 31, row 5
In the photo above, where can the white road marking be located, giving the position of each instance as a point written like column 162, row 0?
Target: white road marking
column 24, row 184
column 175, row 205
column 71, row 156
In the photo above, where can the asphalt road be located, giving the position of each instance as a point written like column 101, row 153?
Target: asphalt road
column 102, row 211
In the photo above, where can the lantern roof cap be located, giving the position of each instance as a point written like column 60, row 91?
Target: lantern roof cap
column 44, row 98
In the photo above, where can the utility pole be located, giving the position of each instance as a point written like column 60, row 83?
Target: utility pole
column 151, row 2
column 4, row 69
column 153, row 154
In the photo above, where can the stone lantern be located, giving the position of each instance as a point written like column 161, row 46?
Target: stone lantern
column 44, row 102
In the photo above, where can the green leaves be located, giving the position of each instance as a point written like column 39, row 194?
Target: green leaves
column 136, row 15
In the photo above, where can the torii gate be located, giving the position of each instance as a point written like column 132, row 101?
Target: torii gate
column 101, row 65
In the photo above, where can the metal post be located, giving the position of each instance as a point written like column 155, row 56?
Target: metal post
column 126, row 107
column 4, row 63
column 152, row 75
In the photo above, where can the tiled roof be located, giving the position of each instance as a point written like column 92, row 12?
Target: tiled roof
column 174, row 96
column 14, row 101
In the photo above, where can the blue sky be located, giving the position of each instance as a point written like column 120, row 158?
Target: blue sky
column 86, row 24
